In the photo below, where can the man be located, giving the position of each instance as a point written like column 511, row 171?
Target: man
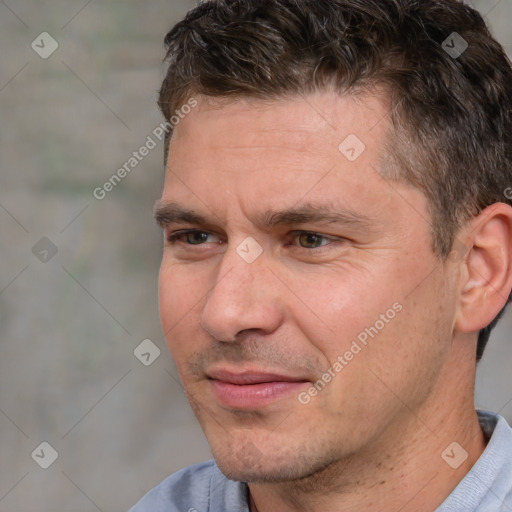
column 338, row 248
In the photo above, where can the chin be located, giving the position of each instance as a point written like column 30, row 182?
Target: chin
column 262, row 475
column 248, row 464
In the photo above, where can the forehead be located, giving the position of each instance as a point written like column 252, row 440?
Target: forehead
column 251, row 155
column 316, row 120
column 296, row 135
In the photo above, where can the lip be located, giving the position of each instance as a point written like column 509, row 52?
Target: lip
column 252, row 389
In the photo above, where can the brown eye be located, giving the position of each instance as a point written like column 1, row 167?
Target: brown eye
column 311, row 240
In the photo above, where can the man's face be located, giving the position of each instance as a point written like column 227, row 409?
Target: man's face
column 258, row 305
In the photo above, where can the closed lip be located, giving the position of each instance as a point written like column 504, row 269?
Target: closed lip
column 247, row 378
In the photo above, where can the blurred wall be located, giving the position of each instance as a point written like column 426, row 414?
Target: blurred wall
column 78, row 275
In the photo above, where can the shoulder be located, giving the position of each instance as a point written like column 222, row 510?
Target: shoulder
column 193, row 489
column 178, row 491
column 488, row 485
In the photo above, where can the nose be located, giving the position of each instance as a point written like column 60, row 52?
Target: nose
column 245, row 297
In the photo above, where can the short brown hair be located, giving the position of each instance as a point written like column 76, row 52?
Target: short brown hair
column 448, row 79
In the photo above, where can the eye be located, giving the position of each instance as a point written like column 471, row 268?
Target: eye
column 306, row 239
column 309, row 240
column 189, row 237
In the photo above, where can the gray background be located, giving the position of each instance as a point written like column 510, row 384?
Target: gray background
column 69, row 326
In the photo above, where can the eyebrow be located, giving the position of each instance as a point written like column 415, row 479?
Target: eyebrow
column 173, row 213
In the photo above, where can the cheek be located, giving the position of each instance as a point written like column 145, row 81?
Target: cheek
column 345, row 307
column 403, row 360
column 387, row 319
column 179, row 297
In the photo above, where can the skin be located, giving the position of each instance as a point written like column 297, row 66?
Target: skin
column 372, row 438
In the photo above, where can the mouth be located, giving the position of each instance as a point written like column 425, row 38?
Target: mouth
column 244, row 390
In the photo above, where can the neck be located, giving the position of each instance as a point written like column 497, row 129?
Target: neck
column 403, row 469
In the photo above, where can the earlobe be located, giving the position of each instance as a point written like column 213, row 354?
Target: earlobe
column 486, row 271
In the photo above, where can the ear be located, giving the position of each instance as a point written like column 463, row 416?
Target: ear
column 486, row 270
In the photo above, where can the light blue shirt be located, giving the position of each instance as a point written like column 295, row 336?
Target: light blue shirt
column 203, row 488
